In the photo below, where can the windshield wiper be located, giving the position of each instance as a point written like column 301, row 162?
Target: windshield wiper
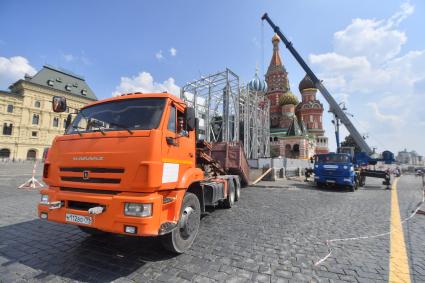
column 78, row 131
column 99, row 128
column 122, row 126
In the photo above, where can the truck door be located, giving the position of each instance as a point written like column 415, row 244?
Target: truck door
column 177, row 149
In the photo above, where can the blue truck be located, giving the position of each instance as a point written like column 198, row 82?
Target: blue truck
column 347, row 171
column 336, row 169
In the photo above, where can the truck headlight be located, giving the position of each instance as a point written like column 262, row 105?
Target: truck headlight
column 138, row 209
column 44, row 199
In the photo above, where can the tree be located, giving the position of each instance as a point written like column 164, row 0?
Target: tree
column 349, row 141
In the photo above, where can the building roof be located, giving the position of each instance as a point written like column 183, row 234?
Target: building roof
column 257, row 84
column 62, row 80
column 306, row 83
column 288, row 98
column 276, row 61
column 294, row 128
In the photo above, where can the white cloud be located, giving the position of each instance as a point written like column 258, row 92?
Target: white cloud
column 68, row 57
column 382, row 85
column 378, row 40
column 158, row 55
column 81, row 58
column 13, row 69
column 173, row 51
column 394, row 120
column 144, row 82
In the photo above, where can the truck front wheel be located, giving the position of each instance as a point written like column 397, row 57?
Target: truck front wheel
column 182, row 237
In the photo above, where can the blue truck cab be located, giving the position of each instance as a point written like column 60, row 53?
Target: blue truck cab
column 336, row 169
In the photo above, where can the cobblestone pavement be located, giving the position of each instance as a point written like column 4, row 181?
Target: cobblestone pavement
column 275, row 233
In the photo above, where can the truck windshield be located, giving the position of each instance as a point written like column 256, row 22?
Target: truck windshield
column 128, row 114
column 333, row 158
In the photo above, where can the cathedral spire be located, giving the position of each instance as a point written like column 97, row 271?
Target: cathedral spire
column 276, row 61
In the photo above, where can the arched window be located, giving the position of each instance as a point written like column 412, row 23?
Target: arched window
column 275, row 139
column 10, row 108
column 37, row 104
column 4, row 153
column 31, row 154
column 56, row 122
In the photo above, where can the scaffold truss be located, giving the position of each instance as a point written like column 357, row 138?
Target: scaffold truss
column 228, row 111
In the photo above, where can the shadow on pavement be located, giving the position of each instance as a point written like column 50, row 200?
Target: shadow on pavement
column 64, row 250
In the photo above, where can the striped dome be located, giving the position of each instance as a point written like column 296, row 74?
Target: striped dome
column 288, row 98
column 256, row 84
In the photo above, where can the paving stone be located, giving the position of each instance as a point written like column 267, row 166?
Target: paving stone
column 270, row 235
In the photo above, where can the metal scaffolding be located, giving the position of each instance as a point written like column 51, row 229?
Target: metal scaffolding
column 255, row 110
column 229, row 112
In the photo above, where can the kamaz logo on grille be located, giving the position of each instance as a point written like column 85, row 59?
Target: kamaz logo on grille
column 86, row 175
column 84, row 158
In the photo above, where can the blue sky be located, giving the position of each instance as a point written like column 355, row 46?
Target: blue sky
column 369, row 63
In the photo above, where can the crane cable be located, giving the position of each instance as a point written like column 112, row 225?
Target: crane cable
column 262, row 48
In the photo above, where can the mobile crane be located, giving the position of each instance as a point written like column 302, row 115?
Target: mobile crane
column 339, row 168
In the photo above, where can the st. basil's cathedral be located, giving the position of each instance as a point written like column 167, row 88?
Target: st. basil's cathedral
column 296, row 128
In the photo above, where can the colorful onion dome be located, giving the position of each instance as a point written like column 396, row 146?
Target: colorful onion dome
column 306, row 83
column 288, row 98
column 257, row 84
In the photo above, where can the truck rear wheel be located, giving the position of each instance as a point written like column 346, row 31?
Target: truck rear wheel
column 237, row 191
column 230, row 200
column 181, row 238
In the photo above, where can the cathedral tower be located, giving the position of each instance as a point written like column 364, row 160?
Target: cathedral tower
column 277, row 81
column 310, row 111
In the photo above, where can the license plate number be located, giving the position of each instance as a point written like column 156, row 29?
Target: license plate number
column 87, row 220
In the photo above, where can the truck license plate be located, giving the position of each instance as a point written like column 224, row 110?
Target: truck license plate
column 79, row 219
column 330, row 181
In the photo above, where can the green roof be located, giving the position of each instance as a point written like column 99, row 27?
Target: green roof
column 62, row 80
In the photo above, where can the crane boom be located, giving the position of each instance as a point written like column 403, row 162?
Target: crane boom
column 334, row 107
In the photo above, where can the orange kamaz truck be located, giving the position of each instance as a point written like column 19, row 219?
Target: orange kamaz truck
column 132, row 165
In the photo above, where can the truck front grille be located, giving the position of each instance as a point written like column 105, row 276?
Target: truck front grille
column 91, row 180
column 89, row 191
column 84, row 175
column 92, row 169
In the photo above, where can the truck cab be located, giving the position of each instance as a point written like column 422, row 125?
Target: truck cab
column 127, row 165
column 335, row 169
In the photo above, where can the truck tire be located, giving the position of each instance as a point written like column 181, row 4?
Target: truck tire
column 362, row 181
column 230, row 200
column 181, row 239
column 92, row 231
column 353, row 188
column 238, row 190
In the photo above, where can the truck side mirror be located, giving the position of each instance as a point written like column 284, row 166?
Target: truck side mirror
column 189, row 115
column 59, row 104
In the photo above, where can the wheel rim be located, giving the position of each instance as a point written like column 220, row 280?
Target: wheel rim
column 232, row 196
column 188, row 222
